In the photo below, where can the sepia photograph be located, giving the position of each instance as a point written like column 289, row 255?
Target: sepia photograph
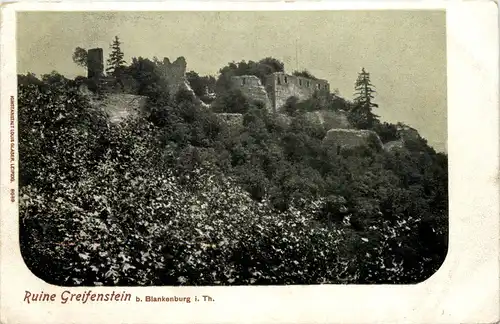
column 218, row 148
column 249, row 162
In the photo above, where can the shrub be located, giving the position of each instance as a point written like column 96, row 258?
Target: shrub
column 179, row 199
column 386, row 131
column 60, row 134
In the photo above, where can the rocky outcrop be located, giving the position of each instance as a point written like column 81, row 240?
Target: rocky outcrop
column 330, row 119
column 252, row 88
column 351, row 138
column 394, row 146
column 406, row 132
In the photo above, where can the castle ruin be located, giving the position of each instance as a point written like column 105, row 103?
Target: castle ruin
column 278, row 87
column 174, row 73
column 281, row 86
column 119, row 101
column 252, row 88
column 274, row 93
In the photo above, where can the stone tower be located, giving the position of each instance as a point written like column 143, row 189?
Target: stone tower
column 95, row 63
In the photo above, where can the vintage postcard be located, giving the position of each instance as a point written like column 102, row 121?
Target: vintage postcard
column 241, row 162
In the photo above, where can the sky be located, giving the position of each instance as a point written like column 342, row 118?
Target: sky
column 404, row 51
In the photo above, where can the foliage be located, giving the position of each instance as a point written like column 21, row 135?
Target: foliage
column 305, row 74
column 273, row 64
column 57, row 120
column 320, row 100
column 231, row 101
column 386, row 131
column 28, row 79
column 180, row 198
column 261, row 69
column 361, row 113
column 116, row 63
column 145, row 73
column 291, row 106
column 203, row 86
column 54, row 78
column 80, row 57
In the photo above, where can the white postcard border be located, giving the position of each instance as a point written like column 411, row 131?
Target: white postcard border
column 465, row 289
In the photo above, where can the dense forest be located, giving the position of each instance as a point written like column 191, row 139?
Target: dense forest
column 178, row 197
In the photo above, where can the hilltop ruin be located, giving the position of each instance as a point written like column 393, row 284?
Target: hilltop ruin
column 274, row 93
column 278, row 87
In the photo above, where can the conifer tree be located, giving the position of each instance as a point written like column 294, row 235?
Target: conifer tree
column 116, row 63
column 361, row 113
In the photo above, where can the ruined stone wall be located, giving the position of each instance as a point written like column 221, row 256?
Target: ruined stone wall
column 281, row 86
column 330, row 119
column 174, row 73
column 252, row 88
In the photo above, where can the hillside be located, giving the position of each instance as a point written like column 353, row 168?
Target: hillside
column 222, row 193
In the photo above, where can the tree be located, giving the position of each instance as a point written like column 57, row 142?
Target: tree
column 232, row 101
column 80, row 57
column 386, row 131
column 260, row 69
column 361, row 113
column 305, row 74
column 116, row 63
column 203, row 86
column 196, row 83
column 275, row 64
column 54, row 78
column 291, row 106
column 318, row 214
column 57, row 119
column 145, row 73
column 27, row 79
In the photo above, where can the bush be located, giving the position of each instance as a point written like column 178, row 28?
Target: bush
column 232, row 101
column 177, row 198
column 60, row 134
column 100, row 231
column 386, row 131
